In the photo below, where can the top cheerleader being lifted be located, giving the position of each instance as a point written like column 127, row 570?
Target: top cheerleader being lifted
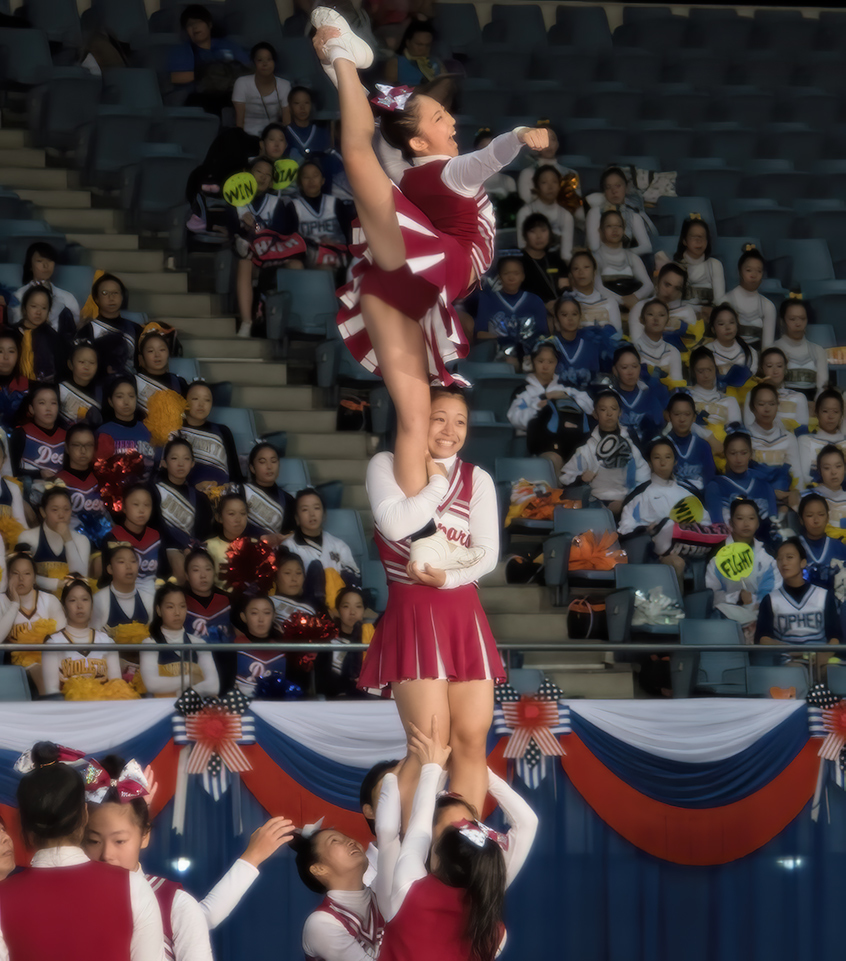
column 420, row 246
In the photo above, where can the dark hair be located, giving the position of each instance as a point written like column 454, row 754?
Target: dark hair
column 545, row 345
column 767, row 353
column 52, row 494
column 535, row 220
column 195, row 554
column 543, row 169
column 672, row 268
column 662, row 442
column 305, row 850
column 727, row 308
column 795, row 301
column 51, row 799
column 41, row 248
column 400, row 127
column 812, row 498
column 255, row 452
column 681, row 397
column 154, row 334
column 756, row 392
column 509, row 259
column 156, row 620
column 235, row 495
column 79, row 345
column 584, row 253
column 35, row 389
column 261, row 159
column 113, row 765
column 109, row 554
column 697, row 355
column 750, row 252
column 830, row 393
column 483, row 133
column 13, row 334
column 689, row 223
column 176, row 441
column 308, row 163
column 21, row 553
column 624, row 349
column 301, row 88
column 76, row 581
column 111, row 277
column 283, row 555
column 275, row 126
column 368, row 786
column 195, row 11
column 831, row 449
column 30, row 292
column 738, row 435
column 793, row 542
column 416, row 26
column 610, row 213
column 608, row 172
column 111, row 387
column 567, row 298
column 480, row 871
column 654, row 302
column 79, row 428
column 608, row 394
column 305, row 492
column 739, row 502
column 263, row 46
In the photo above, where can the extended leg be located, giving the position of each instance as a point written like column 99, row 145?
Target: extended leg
column 471, row 713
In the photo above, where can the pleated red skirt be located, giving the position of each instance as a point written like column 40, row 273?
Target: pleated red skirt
column 430, row 633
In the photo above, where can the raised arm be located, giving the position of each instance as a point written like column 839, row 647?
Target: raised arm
column 465, row 174
column 388, row 819
column 396, row 515
column 523, row 824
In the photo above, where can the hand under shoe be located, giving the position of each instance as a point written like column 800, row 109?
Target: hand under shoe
column 428, row 575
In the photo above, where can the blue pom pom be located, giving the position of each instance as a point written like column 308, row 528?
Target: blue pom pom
column 96, row 527
column 276, row 687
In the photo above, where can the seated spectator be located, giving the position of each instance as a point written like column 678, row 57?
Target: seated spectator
column 548, row 157
column 599, row 306
column 215, row 454
column 81, row 395
column 132, row 525
column 257, row 625
column 772, row 445
column 547, row 184
column 792, row 406
column 668, row 290
column 414, row 64
column 694, row 455
column 553, row 431
column 274, row 147
column 500, row 186
column 209, row 611
column 42, row 349
column 578, row 350
column 829, row 410
column 153, row 366
column 122, row 430
column 38, row 268
column 511, row 316
column 336, row 673
column 122, row 598
column 11, row 498
column 290, row 597
column 734, row 358
column 37, row 448
column 14, row 387
column 807, row 363
column 714, row 409
column 167, row 673
column 205, row 68
column 706, row 282
column 323, row 221
column 56, row 549
column 545, row 271
column 647, row 508
column 797, row 612
column 115, row 339
column 304, row 136
column 270, row 508
column 230, row 524
column 756, row 313
column 642, row 406
column 831, row 466
column 621, row 271
column 609, row 461
column 261, row 98
column 740, row 600
column 659, row 359
column 825, row 555
column 739, row 481
column 614, row 185
column 77, row 474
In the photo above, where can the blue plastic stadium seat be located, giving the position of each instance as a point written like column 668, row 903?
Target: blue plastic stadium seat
column 60, row 107
column 780, row 29
column 569, row 67
column 714, row 182
column 828, row 225
column 311, row 305
column 158, row 190
column 760, row 68
column 782, row 186
column 702, row 69
column 520, row 25
column 742, row 104
column 507, row 470
column 836, row 679
column 669, row 142
column 806, row 260
column 760, row 680
column 645, row 577
column 242, row 423
column 14, row 685
column 677, row 102
column 190, row 128
column 111, row 144
column 678, row 209
column 774, row 223
column 720, row 673
column 795, row 141
column 59, row 19
column 77, row 280
column 345, row 524
column 730, row 141
column 24, row 57
column 125, row 20
column 293, row 474
column 586, row 26
column 493, row 385
column 616, row 103
column 595, row 139
column 458, row 26
column 134, row 88
column 720, row 32
column 655, row 34
column 255, row 20
column 186, row 367
column 638, row 68
column 488, row 443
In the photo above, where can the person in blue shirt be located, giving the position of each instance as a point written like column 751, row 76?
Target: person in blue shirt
column 304, row 136
column 695, row 459
column 826, row 555
column 642, row 404
column 739, row 481
column 512, row 316
column 578, row 347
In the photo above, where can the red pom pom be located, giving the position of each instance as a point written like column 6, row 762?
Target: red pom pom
column 308, row 627
column 114, row 474
column 250, row 565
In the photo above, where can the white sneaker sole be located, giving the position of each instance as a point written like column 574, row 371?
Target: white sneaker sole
column 348, row 42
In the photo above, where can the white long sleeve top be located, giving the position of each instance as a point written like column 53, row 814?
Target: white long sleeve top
column 660, row 354
column 147, row 935
column 54, row 670
column 652, row 502
column 679, row 314
column 224, row 897
column 807, row 363
column 560, row 220
column 599, row 307
column 165, row 684
column 610, row 483
column 619, row 262
column 41, row 604
column 704, row 275
column 810, row 446
column 77, row 552
column 326, row 938
column 126, row 602
column 764, row 579
column 719, row 408
column 61, row 299
column 792, row 407
column 756, row 314
column 526, row 404
column 397, row 516
column 775, row 447
column 640, row 235
column 188, row 924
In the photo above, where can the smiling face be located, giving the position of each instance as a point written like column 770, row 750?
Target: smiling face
column 447, row 426
column 200, row 575
column 310, row 515
column 77, row 607
column 340, row 859
column 44, row 409
column 435, row 135
column 290, row 578
column 37, row 310
column 113, row 835
column 814, row 517
column 744, row 523
column 124, row 401
column 831, row 471
column 199, row 400
column 173, row 611
column 258, row 617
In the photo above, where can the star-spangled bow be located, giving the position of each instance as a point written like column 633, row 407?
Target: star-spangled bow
column 129, row 784
column 213, row 725
column 533, row 724
column 392, row 98
column 478, row 833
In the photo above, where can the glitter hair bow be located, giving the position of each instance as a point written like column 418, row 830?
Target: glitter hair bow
column 309, row 830
column 478, row 834
column 129, row 784
column 25, row 764
column 392, row 98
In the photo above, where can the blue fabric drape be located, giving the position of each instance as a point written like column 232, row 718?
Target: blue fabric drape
column 712, row 784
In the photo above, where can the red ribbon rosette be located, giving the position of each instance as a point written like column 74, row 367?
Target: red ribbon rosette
column 250, row 565
column 834, row 721
column 114, row 474
column 531, row 719
column 215, row 730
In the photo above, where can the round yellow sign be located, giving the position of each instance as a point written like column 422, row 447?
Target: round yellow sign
column 735, row 561
column 688, row 510
column 240, row 189
column 284, row 173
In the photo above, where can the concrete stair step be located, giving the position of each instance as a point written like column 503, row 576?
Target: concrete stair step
column 346, row 444
column 78, row 199
column 248, row 372
column 516, row 599
column 288, row 399
column 175, row 305
column 355, row 496
column 535, row 628
column 34, row 178
column 122, row 262
column 596, row 684
column 216, row 327
column 160, row 282
column 10, row 139
column 496, row 578
column 101, row 221
column 212, row 350
column 564, row 660
column 302, row 420
column 116, row 242
column 22, row 157
column 332, row 469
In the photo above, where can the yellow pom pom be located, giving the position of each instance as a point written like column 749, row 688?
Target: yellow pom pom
column 164, row 415
column 132, row 633
column 138, row 684
column 89, row 689
column 10, row 531
column 36, row 632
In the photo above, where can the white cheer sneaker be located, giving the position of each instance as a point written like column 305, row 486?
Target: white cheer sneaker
column 439, row 552
column 347, row 46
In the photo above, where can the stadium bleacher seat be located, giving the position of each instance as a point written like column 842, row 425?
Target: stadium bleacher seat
column 595, row 138
column 157, row 190
column 587, row 26
column 700, row 69
column 795, row 262
column 775, row 29
column 677, row 102
column 131, row 87
column 576, row 521
column 710, row 182
column 254, row 20
column 651, row 33
column 346, row 524
column 644, row 577
column 458, row 26
column 836, row 679
column 798, row 142
column 720, row 673
column 24, row 57
column 124, row 21
column 242, row 423
column 487, row 440
column 720, row 32
column 57, row 109
column 304, row 302
column 668, row 141
column 781, row 186
column 730, row 140
column 14, row 685
column 760, row 680
column 76, row 279
column 520, row 25
column 637, row 68
column 617, row 103
column 59, row 19
column 293, row 474
column 671, row 212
